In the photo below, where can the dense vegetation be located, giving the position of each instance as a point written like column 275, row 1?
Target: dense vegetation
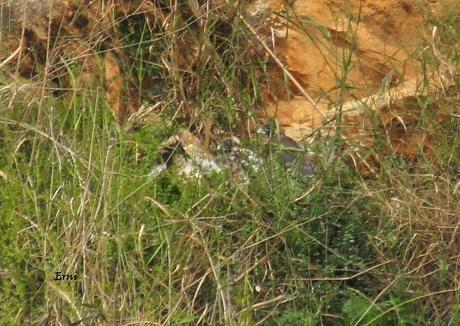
column 335, row 248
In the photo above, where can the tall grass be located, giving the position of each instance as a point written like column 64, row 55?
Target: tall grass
column 336, row 248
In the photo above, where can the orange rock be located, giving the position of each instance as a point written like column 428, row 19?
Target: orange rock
column 354, row 55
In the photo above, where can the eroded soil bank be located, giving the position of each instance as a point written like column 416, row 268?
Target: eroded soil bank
column 341, row 51
column 372, row 61
column 346, row 56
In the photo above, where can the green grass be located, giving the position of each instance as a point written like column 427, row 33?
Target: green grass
column 75, row 197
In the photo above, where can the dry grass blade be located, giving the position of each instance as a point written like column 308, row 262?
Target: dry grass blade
column 410, row 301
column 11, row 57
column 43, row 134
